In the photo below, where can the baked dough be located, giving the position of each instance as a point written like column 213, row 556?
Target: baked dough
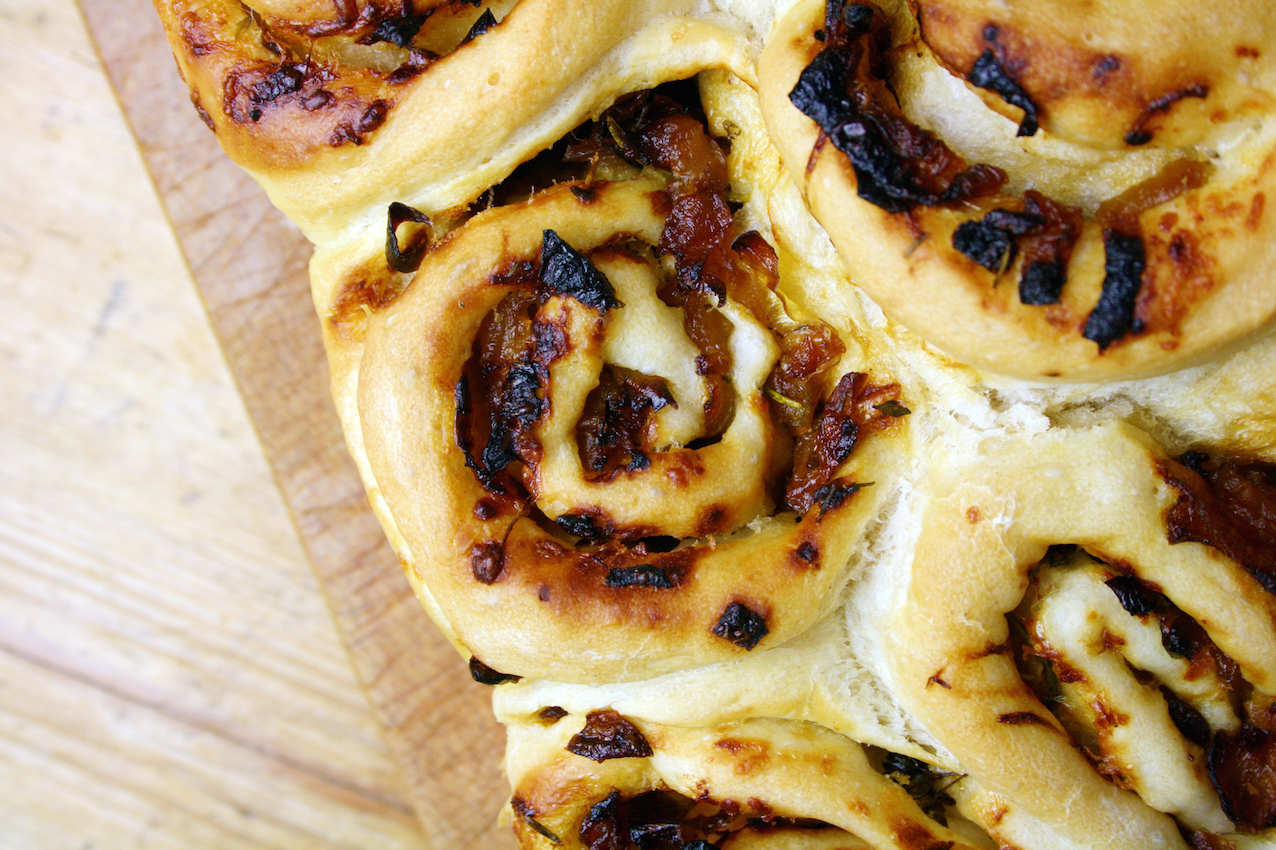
column 759, row 547
column 761, row 776
column 985, row 531
column 1113, row 227
column 298, row 91
column 567, row 554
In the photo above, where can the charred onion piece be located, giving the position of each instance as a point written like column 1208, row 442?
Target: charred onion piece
column 898, row 166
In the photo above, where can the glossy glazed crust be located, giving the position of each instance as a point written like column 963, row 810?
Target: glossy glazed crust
column 1206, row 286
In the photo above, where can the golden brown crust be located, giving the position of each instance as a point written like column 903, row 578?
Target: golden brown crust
column 1204, row 285
column 1116, row 74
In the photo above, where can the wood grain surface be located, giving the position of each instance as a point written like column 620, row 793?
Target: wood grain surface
column 250, row 267
column 170, row 676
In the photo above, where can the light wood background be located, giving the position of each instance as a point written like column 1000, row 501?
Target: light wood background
column 204, row 641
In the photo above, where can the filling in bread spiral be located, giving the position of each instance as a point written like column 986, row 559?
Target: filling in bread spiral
column 631, row 420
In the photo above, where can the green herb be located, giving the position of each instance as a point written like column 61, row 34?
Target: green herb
column 915, row 245
column 892, row 408
column 543, row 830
column 781, row 399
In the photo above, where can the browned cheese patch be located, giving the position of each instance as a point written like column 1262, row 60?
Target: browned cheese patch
column 365, row 291
column 914, row 835
column 749, row 755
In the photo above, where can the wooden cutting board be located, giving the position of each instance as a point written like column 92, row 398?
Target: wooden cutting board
column 250, row 266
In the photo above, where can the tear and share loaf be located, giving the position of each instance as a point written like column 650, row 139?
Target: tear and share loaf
column 827, row 424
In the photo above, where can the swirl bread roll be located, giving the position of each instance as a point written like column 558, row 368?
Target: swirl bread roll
column 1132, row 712
column 758, row 783
column 671, row 555
column 598, row 437
column 1114, row 225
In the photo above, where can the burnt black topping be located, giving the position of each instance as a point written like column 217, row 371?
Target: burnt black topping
column 927, row 788
column 484, row 23
column 407, row 259
column 357, row 131
column 417, row 61
column 398, row 29
column 1181, row 635
column 820, row 91
column 741, row 625
column 832, row 496
column 485, row 675
column 583, row 526
column 498, row 395
column 845, row 19
column 284, row 80
column 1045, row 231
column 644, row 575
column 520, row 405
column 990, row 240
column 607, row 735
column 897, row 165
column 462, row 398
column 567, row 272
column 1190, row 723
column 1135, row 596
column 988, row 73
column 1114, row 315
column 1194, row 461
column 1041, row 284
column 1139, row 134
